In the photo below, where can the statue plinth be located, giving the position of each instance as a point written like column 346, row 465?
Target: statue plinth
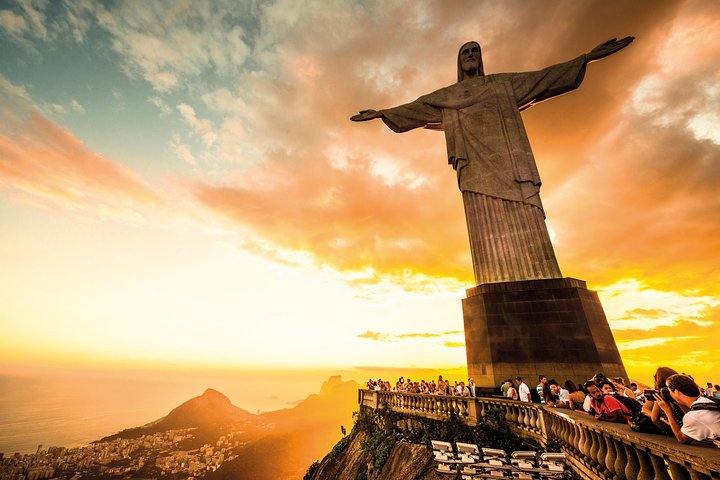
column 553, row 327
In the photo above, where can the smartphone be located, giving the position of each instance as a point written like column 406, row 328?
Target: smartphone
column 650, row 394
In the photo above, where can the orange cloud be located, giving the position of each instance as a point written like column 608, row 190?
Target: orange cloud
column 690, row 344
column 348, row 217
column 41, row 162
column 391, row 337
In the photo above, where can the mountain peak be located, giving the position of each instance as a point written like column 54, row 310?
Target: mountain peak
column 331, row 383
column 212, row 394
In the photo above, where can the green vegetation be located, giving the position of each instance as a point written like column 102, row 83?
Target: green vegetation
column 313, row 468
column 384, row 428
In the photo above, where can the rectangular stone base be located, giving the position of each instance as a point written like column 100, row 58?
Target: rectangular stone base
column 553, row 327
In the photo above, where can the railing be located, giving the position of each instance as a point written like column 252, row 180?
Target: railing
column 596, row 450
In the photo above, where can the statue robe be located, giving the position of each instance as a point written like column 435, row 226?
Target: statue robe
column 488, row 147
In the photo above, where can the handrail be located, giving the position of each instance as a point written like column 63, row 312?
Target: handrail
column 595, row 449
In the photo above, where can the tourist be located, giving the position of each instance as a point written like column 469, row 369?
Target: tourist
column 504, row 388
column 541, row 387
column 464, row 390
column 709, row 391
column 561, row 396
column 547, row 397
column 607, row 408
column 523, row 390
column 702, row 421
column 512, row 393
column 622, row 389
column 639, row 395
column 607, row 387
column 471, row 387
column 717, row 391
column 652, row 409
column 576, row 396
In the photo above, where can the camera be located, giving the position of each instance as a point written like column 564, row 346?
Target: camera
column 665, row 394
column 650, row 394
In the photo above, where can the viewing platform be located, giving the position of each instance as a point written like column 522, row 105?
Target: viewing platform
column 595, row 450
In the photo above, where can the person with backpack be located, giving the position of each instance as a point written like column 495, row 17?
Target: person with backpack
column 702, row 422
column 607, row 407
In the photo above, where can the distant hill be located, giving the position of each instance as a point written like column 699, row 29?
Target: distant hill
column 210, row 411
column 297, row 436
column 278, row 444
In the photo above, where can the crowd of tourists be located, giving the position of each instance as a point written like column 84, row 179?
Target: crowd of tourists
column 676, row 406
column 441, row 387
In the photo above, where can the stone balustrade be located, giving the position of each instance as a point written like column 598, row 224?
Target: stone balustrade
column 596, row 450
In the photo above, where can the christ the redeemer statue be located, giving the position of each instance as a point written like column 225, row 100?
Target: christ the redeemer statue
column 488, row 147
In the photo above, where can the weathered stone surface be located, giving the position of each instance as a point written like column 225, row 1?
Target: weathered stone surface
column 488, row 147
column 409, row 461
column 553, row 327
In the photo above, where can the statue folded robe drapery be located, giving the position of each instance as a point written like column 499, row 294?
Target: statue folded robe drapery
column 488, row 147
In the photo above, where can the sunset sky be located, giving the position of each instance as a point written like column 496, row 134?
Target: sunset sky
column 181, row 187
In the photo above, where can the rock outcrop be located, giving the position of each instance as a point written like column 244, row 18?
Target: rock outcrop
column 407, row 460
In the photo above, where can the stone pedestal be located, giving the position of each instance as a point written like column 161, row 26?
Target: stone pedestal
column 554, row 327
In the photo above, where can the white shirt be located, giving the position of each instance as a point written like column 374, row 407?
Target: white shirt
column 701, row 424
column 524, row 392
column 587, row 404
column 564, row 395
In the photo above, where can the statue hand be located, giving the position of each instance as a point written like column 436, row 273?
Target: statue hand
column 608, row 48
column 366, row 115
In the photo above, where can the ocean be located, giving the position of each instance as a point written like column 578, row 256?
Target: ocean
column 74, row 408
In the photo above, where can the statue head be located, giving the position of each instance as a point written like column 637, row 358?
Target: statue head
column 470, row 61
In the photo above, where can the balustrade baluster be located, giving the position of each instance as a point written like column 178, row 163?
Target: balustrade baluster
column 577, row 437
column 508, row 412
column 528, row 421
column 659, row 467
column 610, row 454
column 632, row 467
column 678, row 471
column 620, row 460
column 695, row 475
column 602, row 451
column 583, row 445
column 532, row 418
column 521, row 416
column 594, row 447
column 647, row 472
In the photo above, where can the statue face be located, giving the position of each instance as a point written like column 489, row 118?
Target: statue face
column 470, row 57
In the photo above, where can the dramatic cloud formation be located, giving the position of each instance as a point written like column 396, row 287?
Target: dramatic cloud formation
column 254, row 99
column 44, row 163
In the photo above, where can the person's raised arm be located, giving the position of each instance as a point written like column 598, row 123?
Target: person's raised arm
column 674, row 425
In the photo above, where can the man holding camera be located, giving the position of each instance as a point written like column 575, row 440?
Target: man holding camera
column 702, row 421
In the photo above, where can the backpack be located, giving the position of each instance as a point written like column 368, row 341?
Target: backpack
column 713, row 405
column 630, row 403
column 535, row 396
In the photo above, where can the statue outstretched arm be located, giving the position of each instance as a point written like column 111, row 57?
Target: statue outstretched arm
column 531, row 88
column 607, row 48
column 403, row 118
column 366, row 115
